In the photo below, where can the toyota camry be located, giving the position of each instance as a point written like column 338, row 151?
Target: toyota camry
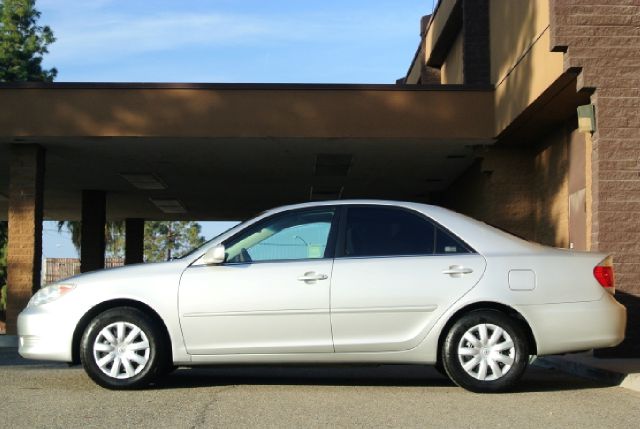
column 338, row 282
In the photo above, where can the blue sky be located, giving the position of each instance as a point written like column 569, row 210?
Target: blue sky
column 348, row 41
column 298, row 41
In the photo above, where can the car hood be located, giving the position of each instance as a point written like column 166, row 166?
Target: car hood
column 128, row 273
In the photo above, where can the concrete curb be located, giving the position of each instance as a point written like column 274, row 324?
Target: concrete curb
column 8, row 341
column 591, row 371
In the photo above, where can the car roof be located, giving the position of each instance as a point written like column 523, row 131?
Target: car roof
column 349, row 202
column 484, row 238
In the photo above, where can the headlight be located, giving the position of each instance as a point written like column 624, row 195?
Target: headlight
column 50, row 293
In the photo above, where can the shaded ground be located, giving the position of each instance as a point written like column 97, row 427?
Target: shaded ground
column 46, row 395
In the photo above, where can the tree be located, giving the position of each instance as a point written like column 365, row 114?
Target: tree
column 164, row 240
column 23, row 43
column 114, row 236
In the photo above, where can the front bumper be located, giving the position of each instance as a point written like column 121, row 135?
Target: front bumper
column 45, row 334
column 576, row 326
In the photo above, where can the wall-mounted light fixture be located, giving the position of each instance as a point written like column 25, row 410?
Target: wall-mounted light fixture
column 587, row 118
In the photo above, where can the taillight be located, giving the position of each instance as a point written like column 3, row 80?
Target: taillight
column 604, row 274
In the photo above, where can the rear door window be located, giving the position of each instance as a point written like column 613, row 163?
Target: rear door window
column 387, row 231
column 382, row 231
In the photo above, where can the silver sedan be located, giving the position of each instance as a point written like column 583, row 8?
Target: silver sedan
column 334, row 282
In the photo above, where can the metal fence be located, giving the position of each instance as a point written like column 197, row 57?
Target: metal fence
column 56, row 269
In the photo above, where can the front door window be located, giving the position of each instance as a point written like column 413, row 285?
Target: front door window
column 291, row 236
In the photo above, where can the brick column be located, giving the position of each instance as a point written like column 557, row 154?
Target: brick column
column 134, row 241
column 600, row 40
column 476, row 57
column 92, row 234
column 26, row 182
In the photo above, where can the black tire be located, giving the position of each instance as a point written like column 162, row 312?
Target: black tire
column 168, row 370
column 440, row 368
column 509, row 363
column 137, row 375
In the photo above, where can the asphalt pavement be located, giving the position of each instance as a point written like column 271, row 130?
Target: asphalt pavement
column 43, row 395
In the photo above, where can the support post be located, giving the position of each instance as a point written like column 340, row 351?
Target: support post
column 24, row 255
column 92, row 233
column 134, row 241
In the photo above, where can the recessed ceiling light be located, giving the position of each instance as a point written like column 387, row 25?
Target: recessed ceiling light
column 144, row 181
column 324, row 193
column 333, row 164
column 169, row 205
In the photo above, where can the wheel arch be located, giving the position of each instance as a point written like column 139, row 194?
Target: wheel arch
column 488, row 305
column 108, row 305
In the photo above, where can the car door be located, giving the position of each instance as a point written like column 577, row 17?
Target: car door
column 395, row 273
column 272, row 293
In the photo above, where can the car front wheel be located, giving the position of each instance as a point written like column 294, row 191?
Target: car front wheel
column 485, row 351
column 122, row 349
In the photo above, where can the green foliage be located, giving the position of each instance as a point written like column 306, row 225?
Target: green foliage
column 164, row 240
column 114, row 236
column 23, row 43
column 74, row 227
column 114, row 242
column 3, row 298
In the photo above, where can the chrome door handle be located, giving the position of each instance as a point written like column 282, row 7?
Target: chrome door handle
column 312, row 276
column 457, row 271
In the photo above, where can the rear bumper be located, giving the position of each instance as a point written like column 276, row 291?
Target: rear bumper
column 576, row 326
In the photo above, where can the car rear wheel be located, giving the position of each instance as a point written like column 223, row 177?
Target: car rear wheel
column 485, row 351
column 123, row 348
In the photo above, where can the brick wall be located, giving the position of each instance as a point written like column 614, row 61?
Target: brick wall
column 497, row 189
column 475, row 32
column 601, row 38
column 521, row 188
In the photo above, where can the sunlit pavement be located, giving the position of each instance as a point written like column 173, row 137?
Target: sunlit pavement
column 37, row 394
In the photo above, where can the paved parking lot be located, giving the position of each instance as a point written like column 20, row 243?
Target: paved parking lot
column 52, row 395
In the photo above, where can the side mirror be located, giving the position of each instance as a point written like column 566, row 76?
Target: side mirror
column 214, row 256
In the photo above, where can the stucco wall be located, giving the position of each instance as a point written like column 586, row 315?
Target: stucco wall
column 452, row 69
column 226, row 111
column 522, row 65
column 551, row 189
column 413, row 76
column 442, row 14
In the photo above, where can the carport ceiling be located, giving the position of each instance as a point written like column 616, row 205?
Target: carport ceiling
column 226, row 151
column 216, row 179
